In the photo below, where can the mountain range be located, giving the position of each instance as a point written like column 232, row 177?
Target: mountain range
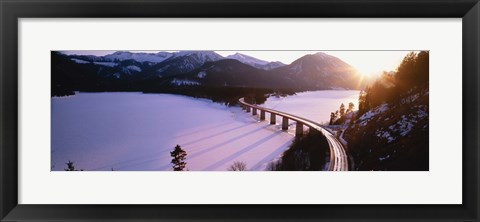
column 122, row 70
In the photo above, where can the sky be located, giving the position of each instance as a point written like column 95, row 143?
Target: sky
column 366, row 62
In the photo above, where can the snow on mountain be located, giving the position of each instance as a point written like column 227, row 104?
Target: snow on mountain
column 407, row 122
column 134, row 68
column 139, row 56
column 258, row 63
column 131, row 69
column 79, row 61
column 400, row 128
column 200, row 56
column 109, row 64
column 249, row 60
column 366, row 117
column 185, row 61
column 311, row 72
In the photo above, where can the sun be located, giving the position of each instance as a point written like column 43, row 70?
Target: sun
column 371, row 63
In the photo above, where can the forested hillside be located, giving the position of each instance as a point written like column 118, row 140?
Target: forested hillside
column 390, row 131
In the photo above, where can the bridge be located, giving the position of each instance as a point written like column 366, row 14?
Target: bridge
column 338, row 155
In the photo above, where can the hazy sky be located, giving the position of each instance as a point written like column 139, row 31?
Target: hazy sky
column 367, row 62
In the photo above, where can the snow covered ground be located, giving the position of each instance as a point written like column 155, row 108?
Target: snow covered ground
column 315, row 105
column 134, row 131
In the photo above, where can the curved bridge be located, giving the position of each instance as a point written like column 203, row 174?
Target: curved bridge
column 338, row 155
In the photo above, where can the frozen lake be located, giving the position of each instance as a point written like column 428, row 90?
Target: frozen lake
column 135, row 131
column 315, row 105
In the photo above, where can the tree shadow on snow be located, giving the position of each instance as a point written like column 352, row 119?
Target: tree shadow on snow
column 244, row 150
column 214, row 135
column 225, row 143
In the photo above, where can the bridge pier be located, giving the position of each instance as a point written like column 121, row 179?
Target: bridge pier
column 262, row 114
column 299, row 129
column 244, row 107
column 273, row 118
column 248, row 109
column 285, row 123
column 254, row 111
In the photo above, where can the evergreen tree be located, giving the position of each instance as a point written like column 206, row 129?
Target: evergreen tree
column 342, row 110
column 178, row 160
column 351, row 106
column 362, row 102
column 332, row 118
column 70, row 166
column 413, row 71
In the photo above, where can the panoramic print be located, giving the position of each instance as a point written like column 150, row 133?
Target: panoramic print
column 259, row 110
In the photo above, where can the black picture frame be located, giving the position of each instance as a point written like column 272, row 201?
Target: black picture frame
column 12, row 10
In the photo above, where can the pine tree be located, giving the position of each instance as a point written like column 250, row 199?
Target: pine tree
column 332, row 118
column 351, row 106
column 178, row 160
column 342, row 110
column 362, row 106
column 70, row 166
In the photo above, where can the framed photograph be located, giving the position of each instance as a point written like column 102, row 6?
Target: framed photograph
column 226, row 110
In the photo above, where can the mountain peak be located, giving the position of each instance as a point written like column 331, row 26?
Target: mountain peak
column 121, row 53
column 321, row 70
column 252, row 61
column 202, row 56
column 139, row 56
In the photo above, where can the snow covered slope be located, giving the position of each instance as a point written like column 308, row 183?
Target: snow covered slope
column 392, row 136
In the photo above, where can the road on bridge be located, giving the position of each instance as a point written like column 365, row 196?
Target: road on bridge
column 339, row 162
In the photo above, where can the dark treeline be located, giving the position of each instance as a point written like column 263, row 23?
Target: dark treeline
column 227, row 95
